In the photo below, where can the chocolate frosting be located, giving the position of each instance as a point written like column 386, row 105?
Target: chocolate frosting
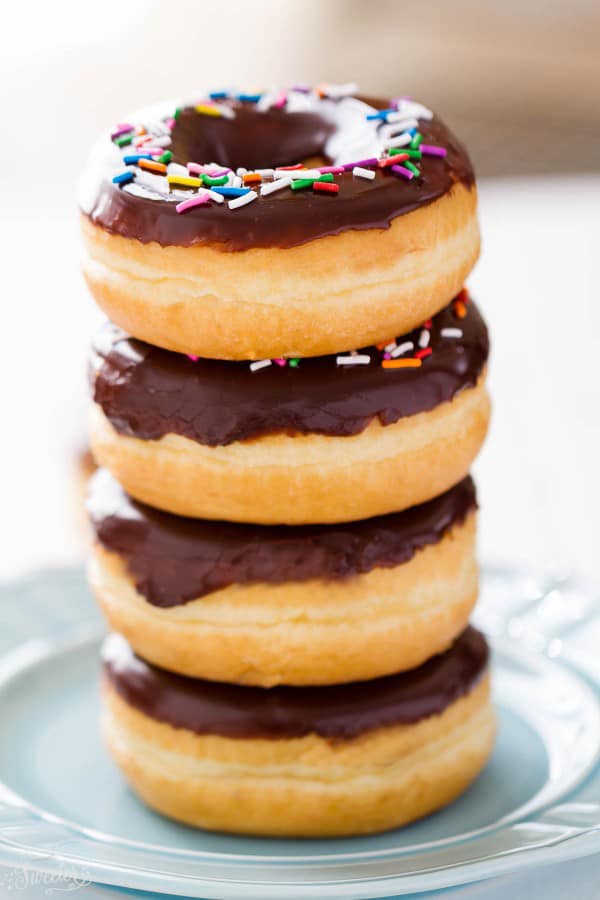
column 337, row 712
column 147, row 392
column 335, row 131
column 174, row 560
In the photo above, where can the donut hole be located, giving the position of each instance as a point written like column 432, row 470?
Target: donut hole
column 253, row 139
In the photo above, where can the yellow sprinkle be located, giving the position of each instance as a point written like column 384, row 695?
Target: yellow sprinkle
column 184, row 180
column 207, row 110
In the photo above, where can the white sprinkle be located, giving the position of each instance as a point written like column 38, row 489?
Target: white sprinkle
column 157, row 183
column 305, row 173
column 266, row 101
column 424, row 338
column 175, row 169
column 241, row 171
column 235, row 181
column 159, row 128
column 363, row 173
column 160, row 140
column 410, row 108
column 265, row 173
column 359, row 359
column 451, row 332
column 337, row 91
column 389, row 347
column 273, row 186
column 400, row 119
column 400, row 141
column 260, row 364
column 403, row 348
column 243, row 200
column 218, row 198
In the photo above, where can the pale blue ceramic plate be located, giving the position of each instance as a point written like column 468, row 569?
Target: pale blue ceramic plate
column 64, row 808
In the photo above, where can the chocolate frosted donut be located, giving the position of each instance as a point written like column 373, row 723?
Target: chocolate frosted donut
column 334, row 258
column 352, row 758
column 270, row 605
column 327, row 439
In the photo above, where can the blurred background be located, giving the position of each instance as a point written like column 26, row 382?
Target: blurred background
column 518, row 81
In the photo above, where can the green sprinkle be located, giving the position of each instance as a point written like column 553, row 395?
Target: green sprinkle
column 214, row 182
column 165, row 157
column 300, row 183
column 414, row 154
column 396, row 151
column 293, row 363
column 411, row 167
column 124, row 140
column 177, row 113
column 416, row 141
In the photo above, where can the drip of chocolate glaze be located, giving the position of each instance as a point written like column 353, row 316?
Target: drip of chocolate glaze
column 173, row 560
column 147, row 392
column 337, row 712
column 333, row 131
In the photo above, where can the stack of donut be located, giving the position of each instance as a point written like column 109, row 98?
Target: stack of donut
column 286, row 404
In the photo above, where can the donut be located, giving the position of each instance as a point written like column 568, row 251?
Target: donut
column 267, row 605
column 300, row 761
column 359, row 220
column 326, row 439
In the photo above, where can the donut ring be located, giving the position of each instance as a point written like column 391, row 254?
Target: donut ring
column 416, row 575
column 303, row 785
column 293, row 273
column 207, row 439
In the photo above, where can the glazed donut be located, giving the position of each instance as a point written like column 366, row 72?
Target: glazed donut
column 278, row 605
column 328, row 440
column 300, row 762
column 343, row 254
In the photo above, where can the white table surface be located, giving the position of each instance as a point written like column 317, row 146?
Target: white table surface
column 537, row 283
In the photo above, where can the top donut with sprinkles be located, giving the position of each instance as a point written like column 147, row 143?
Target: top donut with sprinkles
column 217, row 169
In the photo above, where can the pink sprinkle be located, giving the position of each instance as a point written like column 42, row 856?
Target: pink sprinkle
column 302, row 88
column 387, row 355
column 200, row 200
column 281, row 100
column 197, row 169
column 280, row 361
column 142, row 139
column 372, row 161
column 433, row 150
column 401, row 170
column 193, row 358
column 122, row 128
column 170, row 123
column 155, row 151
column 331, row 170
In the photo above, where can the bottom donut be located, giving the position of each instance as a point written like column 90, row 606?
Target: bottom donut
column 300, row 761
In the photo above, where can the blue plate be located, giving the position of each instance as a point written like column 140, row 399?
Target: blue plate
column 64, row 808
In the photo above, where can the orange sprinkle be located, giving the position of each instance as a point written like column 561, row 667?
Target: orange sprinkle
column 139, row 129
column 463, row 295
column 152, row 166
column 460, row 309
column 252, row 178
column 401, row 363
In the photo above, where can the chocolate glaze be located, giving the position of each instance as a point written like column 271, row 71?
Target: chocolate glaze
column 337, row 712
column 334, row 131
column 174, row 560
column 147, row 392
